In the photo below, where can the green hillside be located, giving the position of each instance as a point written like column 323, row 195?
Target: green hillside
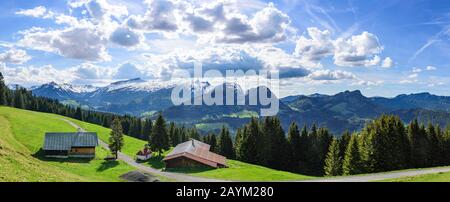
column 21, row 136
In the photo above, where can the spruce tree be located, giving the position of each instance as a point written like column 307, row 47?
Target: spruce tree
column 116, row 141
column 159, row 140
column 18, row 99
column 333, row 161
column 3, row 90
column 225, row 144
column 278, row 146
column 294, row 141
column 352, row 161
column 249, row 147
column 418, row 143
column 147, row 129
column 193, row 134
column 213, row 143
column 172, row 134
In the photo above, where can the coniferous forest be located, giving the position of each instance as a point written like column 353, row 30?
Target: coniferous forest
column 384, row 144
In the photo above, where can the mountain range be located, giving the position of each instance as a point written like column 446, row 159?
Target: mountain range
column 348, row 110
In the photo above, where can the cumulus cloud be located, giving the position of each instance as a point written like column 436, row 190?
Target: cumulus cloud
column 91, row 71
column 14, row 56
column 268, row 25
column 31, row 75
column 127, row 71
column 160, row 16
column 101, row 9
column 387, row 63
column 39, row 11
column 290, row 72
column 318, row 46
column 359, row 50
column 126, row 37
column 199, row 24
column 82, row 42
column 353, row 51
column 331, row 75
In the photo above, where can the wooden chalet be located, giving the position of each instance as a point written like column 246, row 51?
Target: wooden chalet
column 194, row 153
column 64, row 145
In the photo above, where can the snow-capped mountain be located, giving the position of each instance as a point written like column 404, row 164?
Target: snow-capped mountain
column 133, row 96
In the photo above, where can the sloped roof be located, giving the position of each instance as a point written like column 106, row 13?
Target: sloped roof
column 197, row 151
column 65, row 141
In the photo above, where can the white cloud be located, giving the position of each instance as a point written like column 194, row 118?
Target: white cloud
column 81, row 42
column 431, row 68
column 354, row 51
column 126, row 37
column 15, row 56
column 128, row 71
column 331, row 75
column 91, row 71
column 37, row 12
column 160, row 16
column 268, row 25
column 359, row 50
column 317, row 47
column 387, row 63
column 368, row 83
column 31, row 75
column 416, row 70
column 413, row 76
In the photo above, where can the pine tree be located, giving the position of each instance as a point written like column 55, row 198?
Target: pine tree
column 225, row 144
column 249, row 147
column 3, row 90
column 173, row 134
column 294, row 141
column 116, row 141
column 159, row 140
column 213, row 143
column 18, row 99
column 193, row 134
column 333, row 161
column 238, row 143
column 418, row 143
column 183, row 135
column 147, row 129
column 78, row 114
column 278, row 145
column 343, row 143
column 352, row 161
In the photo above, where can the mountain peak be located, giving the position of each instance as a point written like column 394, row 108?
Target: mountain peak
column 351, row 93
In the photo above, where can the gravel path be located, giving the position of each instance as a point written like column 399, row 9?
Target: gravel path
column 381, row 176
column 130, row 161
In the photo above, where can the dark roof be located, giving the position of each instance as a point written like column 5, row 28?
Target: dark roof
column 65, row 141
column 197, row 151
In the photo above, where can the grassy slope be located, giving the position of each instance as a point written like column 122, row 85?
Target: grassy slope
column 236, row 171
column 22, row 135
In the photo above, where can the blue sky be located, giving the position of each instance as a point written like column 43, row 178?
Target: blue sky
column 381, row 47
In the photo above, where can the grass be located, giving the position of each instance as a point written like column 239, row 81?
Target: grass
column 21, row 137
column 435, row 177
column 240, row 171
column 131, row 146
column 29, row 137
